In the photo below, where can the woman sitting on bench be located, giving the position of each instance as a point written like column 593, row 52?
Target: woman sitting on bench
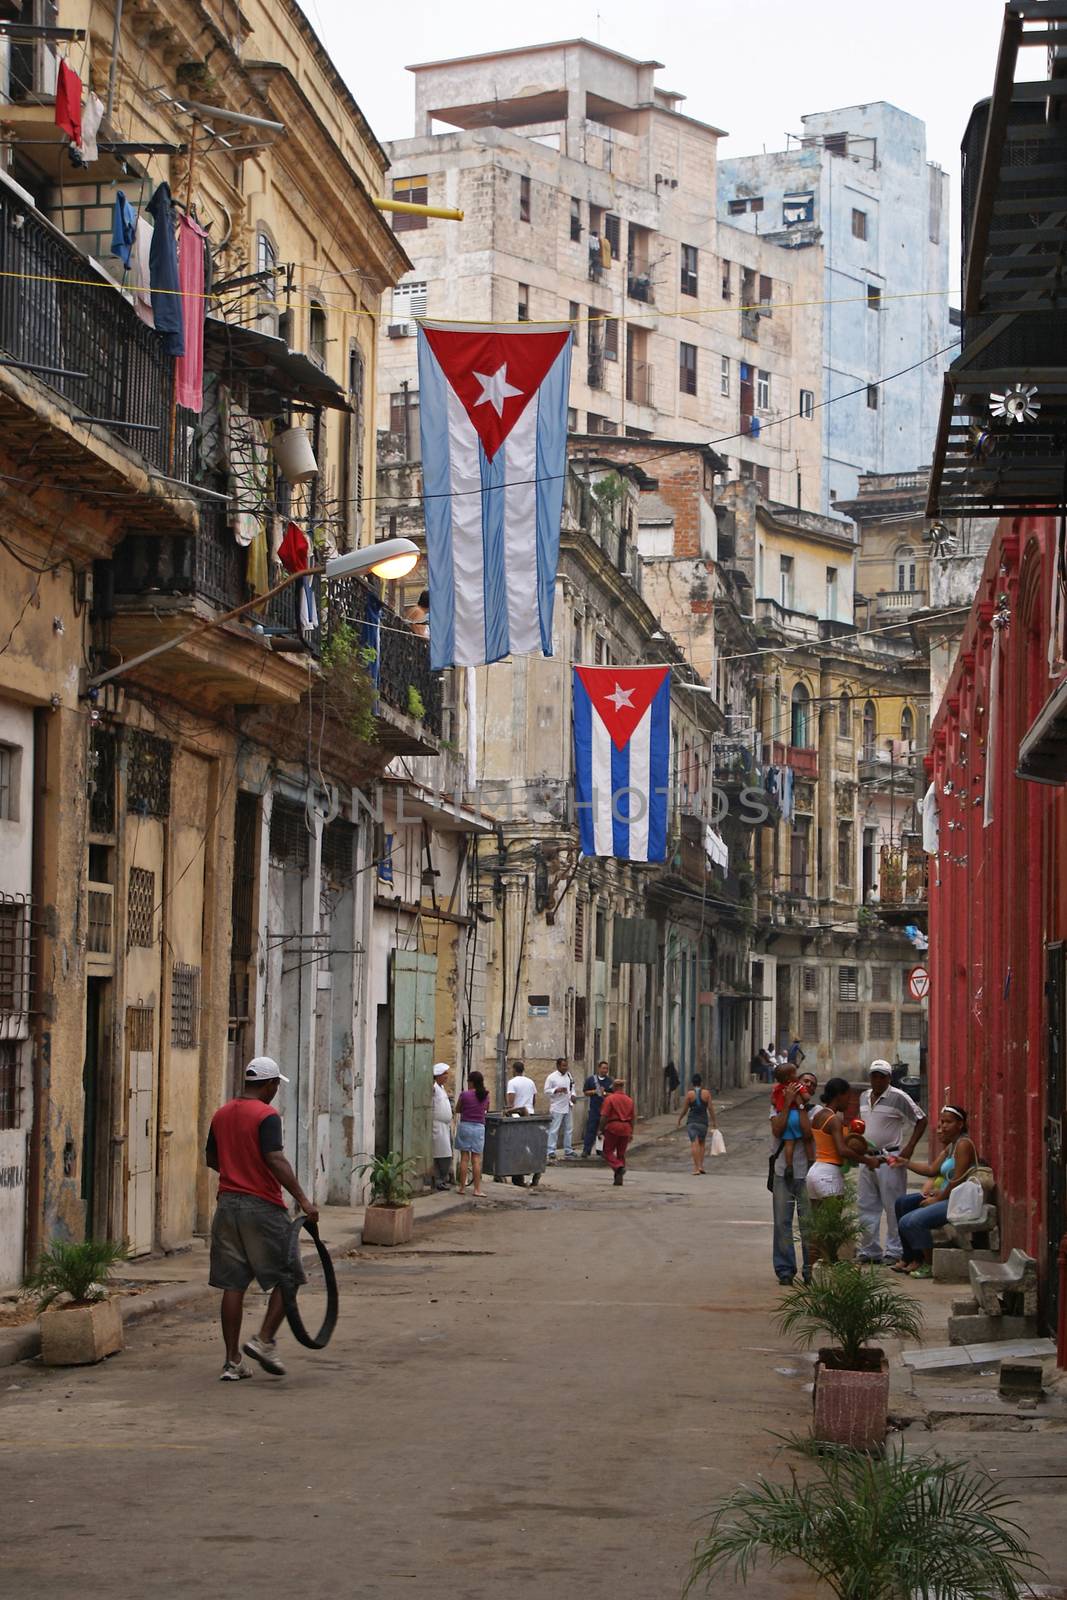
column 920, row 1215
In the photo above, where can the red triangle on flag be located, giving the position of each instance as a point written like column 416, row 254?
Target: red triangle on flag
column 621, row 696
column 495, row 373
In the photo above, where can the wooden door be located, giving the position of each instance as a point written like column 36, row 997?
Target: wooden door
column 413, row 991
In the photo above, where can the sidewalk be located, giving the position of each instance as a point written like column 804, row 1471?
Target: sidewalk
column 161, row 1283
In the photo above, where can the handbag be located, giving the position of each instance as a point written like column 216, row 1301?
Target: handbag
column 966, row 1203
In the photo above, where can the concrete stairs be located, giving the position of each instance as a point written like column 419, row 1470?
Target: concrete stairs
column 960, row 1243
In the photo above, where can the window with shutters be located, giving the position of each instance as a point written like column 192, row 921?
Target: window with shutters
column 880, row 1027
column 811, row 980
column 881, row 983
column 140, row 909
column 524, row 199
column 611, row 338
column 724, row 375
column 687, row 368
column 415, row 192
column 14, row 945
column 317, row 333
column 10, row 764
column 847, row 1027
column 810, row 1025
column 807, row 404
column 911, row 1026
column 600, row 934
column 524, row 302
column 844, row 854
column 766, row 295
column 184, row 1006
column 576, row 219
column 579, row 929
column 859, row 224
column 409, row 301
column 613, row 234
column 689, row 269
column 848, row 983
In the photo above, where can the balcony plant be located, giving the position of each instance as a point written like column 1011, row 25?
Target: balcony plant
column 348, row 685
column 853, row 1305
column 872, row 1528
column 85, row 1325
column 389, row 1217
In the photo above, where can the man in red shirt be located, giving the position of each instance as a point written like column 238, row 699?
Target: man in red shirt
column 251, row 1235
column 617, row 1125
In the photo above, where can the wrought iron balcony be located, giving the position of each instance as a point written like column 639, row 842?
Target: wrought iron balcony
column 398, row 659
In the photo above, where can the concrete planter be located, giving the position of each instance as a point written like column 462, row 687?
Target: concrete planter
column 851, row 1406
column 76, row 1335
column 388, row 1224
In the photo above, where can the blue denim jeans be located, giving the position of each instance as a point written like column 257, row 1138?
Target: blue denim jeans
column 917, row 1226
column 789, row 1198
column 592, row 1127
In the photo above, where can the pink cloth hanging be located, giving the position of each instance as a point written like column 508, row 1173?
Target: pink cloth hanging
column 189, row 375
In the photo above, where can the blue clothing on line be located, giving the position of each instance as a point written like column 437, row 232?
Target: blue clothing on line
column 163, row 273
column 123, row 228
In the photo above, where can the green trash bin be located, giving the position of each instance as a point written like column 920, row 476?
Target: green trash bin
column 515, row 1147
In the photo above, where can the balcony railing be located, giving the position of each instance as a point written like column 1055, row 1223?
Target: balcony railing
column 401, row 666
column 901, row 600
column 79, row 336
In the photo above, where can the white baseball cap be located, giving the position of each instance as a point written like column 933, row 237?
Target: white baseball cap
column 440, row 1068
column 880, row 1066
column 262, row 1069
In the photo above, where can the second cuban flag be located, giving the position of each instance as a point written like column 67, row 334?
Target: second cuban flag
column 493, row 421
column 622, row 758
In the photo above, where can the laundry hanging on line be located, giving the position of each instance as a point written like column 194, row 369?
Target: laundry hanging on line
column 69, row 102
column 123, row 229
column 163, row 272
column 189, row 376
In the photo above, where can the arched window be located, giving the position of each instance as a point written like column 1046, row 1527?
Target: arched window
column 317, row 334
column 800, row 709
column 906, row 569
column 870, row 731
column 844, row 716
column 267, row 262
column 907, row 725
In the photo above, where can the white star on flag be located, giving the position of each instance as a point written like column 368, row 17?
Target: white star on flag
column 621, row 697
column 495, row 388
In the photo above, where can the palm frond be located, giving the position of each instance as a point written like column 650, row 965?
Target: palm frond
column 75, row 1268
column 850, row 1304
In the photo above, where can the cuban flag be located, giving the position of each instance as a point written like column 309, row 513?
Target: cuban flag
column 622, row 755
column 493, row 419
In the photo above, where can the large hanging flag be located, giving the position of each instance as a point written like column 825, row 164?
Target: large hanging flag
column 622, row 757
column 493, row 419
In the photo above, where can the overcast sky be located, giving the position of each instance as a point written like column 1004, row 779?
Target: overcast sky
column 750, row 66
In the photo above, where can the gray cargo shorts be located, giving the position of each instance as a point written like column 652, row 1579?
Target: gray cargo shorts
column 253, row 1238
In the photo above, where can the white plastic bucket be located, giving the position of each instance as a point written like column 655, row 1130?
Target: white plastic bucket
column 294, row 455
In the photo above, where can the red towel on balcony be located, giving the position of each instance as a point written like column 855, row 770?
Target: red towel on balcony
column 293, row 550
column 69, row 102
column 189, row 373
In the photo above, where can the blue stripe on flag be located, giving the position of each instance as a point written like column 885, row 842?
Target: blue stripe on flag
column 620, row 801
column 659, row 765
column 583, row 766
column 437, row 505
column 551, row 467
column 494, row 569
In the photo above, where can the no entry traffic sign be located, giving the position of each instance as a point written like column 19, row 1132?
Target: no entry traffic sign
column 918, row 983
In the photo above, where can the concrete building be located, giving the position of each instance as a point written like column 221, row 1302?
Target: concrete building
column 857, row 185
column 589, row 196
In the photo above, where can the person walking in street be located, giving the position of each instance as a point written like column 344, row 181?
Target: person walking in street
column 251, row 1234
column 796, row 1055
column 441, row 1128
column 617, row 1116
column 521, row 1091
column 919, row 1215
column 597, row 1087
column 698, row 1114
column 559, row 1087
column 471, row 1107
column 894, row 1126
column 790, row 1195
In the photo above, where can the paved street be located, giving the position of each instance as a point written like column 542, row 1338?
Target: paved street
column 539, row 1398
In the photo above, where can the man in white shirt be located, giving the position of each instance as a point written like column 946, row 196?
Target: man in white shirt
column 559, row 1087
column 894, row 1126
column 521, row 1091
column 441, row 1126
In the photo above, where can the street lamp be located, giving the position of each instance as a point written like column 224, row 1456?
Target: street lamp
column 389, row 558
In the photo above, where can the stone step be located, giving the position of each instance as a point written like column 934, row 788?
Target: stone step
column 967, row 1357
column 981, row 1328
column 953, row 1266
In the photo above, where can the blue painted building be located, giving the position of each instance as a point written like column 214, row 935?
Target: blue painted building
column 857, row 183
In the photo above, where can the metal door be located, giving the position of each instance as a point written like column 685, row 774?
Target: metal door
column 413, row 996
column 1055, row 1130
column 140, row 1128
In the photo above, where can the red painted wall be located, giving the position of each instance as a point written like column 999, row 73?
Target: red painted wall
column 997, row 893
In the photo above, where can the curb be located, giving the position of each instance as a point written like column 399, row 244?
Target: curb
column 447, row 1208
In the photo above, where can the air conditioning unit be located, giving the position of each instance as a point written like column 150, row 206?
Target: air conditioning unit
column 401, row 330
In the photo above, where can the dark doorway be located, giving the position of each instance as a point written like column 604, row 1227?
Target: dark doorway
column 96, row 1106
column 381, row 1082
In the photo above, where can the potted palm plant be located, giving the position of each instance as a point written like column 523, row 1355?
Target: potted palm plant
column 389, row 1217
column 79, row 1322
column 873, row 1528
column 833, row 1225
column 854, row 1306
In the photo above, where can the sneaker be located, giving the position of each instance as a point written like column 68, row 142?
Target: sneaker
column 786, row 1283
column 266, row 1353
column 234, row 1371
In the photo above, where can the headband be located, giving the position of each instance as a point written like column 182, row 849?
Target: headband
column 954, row 1111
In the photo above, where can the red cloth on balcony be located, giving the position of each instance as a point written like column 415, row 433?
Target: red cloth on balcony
column 69, row 102
column 189, row 373
column 293, row 550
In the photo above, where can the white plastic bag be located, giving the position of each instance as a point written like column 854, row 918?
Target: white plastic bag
column 718, row 1143
column 966, row 1203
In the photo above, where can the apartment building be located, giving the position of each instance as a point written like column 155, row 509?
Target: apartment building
column 588, row 196
column 857, row 187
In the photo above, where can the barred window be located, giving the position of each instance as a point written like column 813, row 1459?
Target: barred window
column 10, row 1085
column 148, row 763
column 880, row 1027
column 579, row 930
column 911, row 1025
column 13, row 949
column 184, row 1006
column 881, row 983
column 810, row 1025
column 140, row 909
column 848, row 983
column 811, row 980
column 847, row 1026
column 338, row 843
column 288, row 834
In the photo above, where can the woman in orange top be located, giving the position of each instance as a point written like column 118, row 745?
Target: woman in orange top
column 825, row 1175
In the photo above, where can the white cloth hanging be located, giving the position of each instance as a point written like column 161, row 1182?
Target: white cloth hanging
column 92, row 116
column 141, row 271
column 931, row 822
